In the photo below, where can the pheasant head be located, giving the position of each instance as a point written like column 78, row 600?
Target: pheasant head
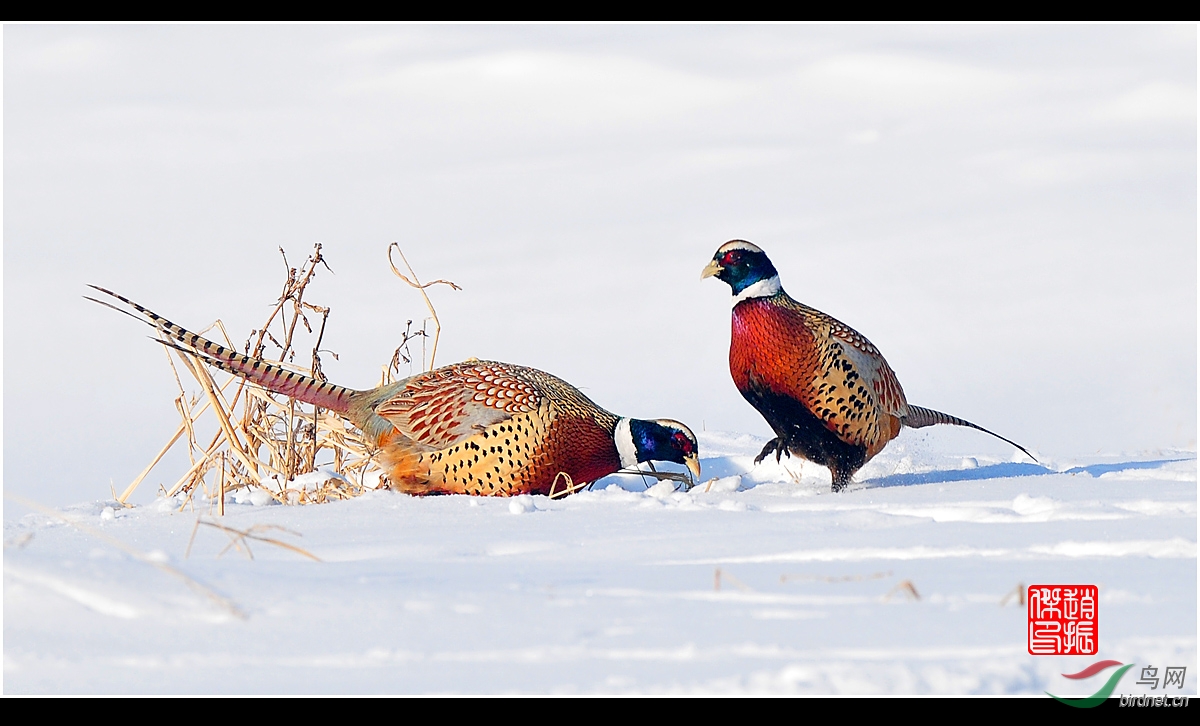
column 661, row 439
column 746, row 269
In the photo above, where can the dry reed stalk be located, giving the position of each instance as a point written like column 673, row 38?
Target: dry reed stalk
column 683, row 478
column 719, row 575
column 569, row 488
column 414, row 282
column 222, row 602
column 238, row 538
column 179, row 406
column 905, row 587
column 1017, row 594
column 185, row 425
column 403, row 353
column 221, row 408
column 268, row 441
column 189, row 475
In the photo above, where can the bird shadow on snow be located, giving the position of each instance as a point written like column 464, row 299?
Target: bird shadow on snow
column 1011, row 470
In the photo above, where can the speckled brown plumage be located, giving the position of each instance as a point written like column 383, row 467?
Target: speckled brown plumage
column 489, row 428
column 824, row 389
column 808, row 356
column 476, row 427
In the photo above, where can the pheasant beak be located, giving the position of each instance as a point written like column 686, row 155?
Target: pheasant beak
column 692, row 462
column 712, row 269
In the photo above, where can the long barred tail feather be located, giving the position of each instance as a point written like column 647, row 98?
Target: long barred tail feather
column 919, row 417
column 268, row 375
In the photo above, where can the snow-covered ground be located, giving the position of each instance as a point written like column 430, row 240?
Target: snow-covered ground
column 761, row 581
column 1008, row 212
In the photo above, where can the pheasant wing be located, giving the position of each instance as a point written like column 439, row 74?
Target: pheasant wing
column 870, row 364
column 445, row 406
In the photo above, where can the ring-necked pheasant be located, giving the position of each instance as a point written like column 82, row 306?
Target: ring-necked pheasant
column 477, row 427
column 823, row 388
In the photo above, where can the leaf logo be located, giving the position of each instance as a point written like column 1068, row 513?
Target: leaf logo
column 1099, row 696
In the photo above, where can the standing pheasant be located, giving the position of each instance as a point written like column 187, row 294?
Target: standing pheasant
column 476, row 427
column 824, row 389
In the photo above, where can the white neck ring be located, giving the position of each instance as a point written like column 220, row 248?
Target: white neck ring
column 623, row 438
column 762, row 288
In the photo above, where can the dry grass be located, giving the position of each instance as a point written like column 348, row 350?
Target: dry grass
column 416, row 283
column 239, row 539
column 905, row 589
column 1017, row 595
column 684, row 479
column 209, row 594
column 246, row 441
column 720, row 576
column 259, row 441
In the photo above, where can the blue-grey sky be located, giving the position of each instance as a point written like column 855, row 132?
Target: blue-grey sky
column 1008, row 212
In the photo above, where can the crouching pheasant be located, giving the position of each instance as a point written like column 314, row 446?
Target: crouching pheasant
column 824, row 389
column 477, row 427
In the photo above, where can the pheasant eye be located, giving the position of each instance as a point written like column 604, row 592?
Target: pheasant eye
column 683, row 442
column 731, row 258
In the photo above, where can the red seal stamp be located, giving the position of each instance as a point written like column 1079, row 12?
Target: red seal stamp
column 1063, row 619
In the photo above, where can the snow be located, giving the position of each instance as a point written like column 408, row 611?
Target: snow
column 758, row 582
column 1007, row 212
